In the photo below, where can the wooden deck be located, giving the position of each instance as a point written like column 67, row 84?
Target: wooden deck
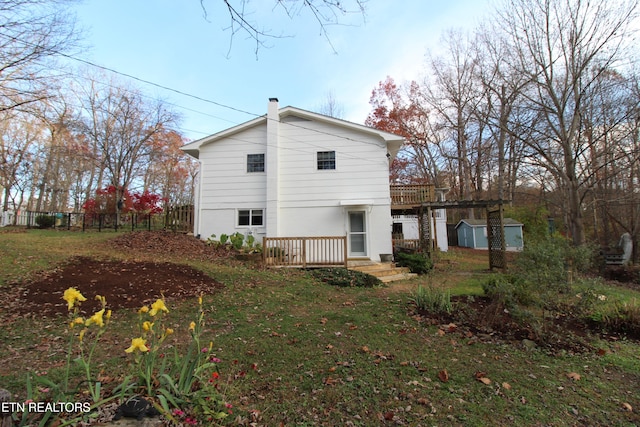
column 411, row 196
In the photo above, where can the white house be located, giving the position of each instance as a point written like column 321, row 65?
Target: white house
column 295, row 173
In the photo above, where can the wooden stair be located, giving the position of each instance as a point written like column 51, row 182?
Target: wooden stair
column 385, row 271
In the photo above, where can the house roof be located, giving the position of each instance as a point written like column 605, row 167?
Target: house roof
column 394, row 142
column 508, row 222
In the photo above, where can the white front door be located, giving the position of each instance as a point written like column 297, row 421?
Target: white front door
column 357, row 234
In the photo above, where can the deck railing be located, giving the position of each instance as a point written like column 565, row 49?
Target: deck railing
column 411, row 195
column 305, row 251
column 411, row 244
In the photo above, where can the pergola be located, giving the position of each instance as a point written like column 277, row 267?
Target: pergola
column 495, row 225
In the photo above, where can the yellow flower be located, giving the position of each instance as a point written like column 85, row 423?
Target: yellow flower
column 76, row 321
column 71, row 296
column 158, row 306
column 82, row 332
column 192, row 326
column 108, row 315
column 143, row 309
column 200, row 300
column 137, row 344
column 168, row 331
column 147, row 326
column 103, row 300
column 96, row 318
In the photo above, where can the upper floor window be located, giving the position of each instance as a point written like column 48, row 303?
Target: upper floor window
column 326, row 160
column 255, row 162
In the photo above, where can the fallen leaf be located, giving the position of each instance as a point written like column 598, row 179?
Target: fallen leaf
column 443, row 376
column 573, row 376
column 323, row 320
column 388, row 416
column 506, row 386
column 627, row 407
column 331, row 381
column 364, row 349
column 482, row 377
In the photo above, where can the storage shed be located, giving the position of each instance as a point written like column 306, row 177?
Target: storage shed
column 472, row 233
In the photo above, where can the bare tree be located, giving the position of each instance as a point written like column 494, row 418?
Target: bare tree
column 324, row 12
column 32, row 34
column 121, row 125
column 19, row 134
column 558, row 44
column 454, row 96
column 331, row 107
column 503, row 90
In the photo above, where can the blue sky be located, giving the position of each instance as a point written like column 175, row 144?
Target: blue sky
column 170, row 43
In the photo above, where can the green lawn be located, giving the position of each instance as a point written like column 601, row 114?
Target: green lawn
column 298, row 352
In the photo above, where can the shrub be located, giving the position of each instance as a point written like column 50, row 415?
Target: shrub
column 345, row 278
column 550, row 263
column 432, row 300
column 510, row 291
column 45, row 221
column 417, row 263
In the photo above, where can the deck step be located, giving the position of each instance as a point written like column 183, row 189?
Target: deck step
column 385, row 271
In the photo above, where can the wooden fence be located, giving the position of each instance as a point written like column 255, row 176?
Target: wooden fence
column 305, row 251
column 179, row 218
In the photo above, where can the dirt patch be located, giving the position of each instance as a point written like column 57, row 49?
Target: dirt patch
column 123, row 284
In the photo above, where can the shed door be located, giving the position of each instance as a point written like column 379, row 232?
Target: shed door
column 357, row 234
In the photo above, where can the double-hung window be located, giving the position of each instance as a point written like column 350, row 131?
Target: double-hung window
column 250, row 217
column 255, row 162
column 326, row 160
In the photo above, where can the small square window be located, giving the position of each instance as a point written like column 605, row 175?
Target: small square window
column 326, row 160
column 250, row 217
column 255, row 162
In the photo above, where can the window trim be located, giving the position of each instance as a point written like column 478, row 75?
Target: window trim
column 254, row 164
column 252, row 215
column 331, row 161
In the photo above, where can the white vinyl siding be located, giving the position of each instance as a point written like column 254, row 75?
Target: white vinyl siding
column 225, row 181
